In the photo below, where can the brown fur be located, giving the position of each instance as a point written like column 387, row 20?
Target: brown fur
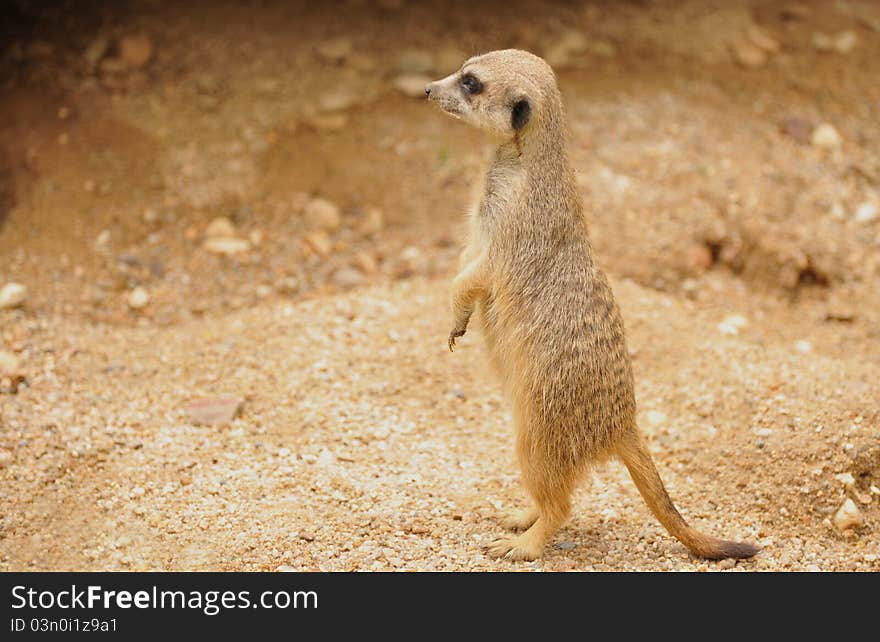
column 552, row 327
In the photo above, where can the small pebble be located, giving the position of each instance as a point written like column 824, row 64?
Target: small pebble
column 12, row 295
column 227, row 246
column 848, row 516
column 321, row 214
column 866, row 213
column 138, row 298
column 825, row 136
column 412, row 85
column 220, row 227
column 335, row 49
column 213, row 411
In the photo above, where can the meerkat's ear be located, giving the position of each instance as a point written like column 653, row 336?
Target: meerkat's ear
column 520, row 113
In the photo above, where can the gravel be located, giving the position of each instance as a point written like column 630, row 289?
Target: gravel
column 379, row 472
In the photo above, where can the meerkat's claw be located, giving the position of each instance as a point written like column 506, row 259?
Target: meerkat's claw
column 452, row 337
column 515, row 548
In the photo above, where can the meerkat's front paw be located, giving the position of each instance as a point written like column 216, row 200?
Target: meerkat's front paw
column 520, row 547
column 519, row 520
column 457, row 332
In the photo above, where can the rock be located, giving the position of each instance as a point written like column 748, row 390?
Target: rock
column 762, row 39
column 602, row 48
column 570, row 43
column 5, row 458
column 417, row 528
column 337, row 100
column 813, row 568
column 103, row 239
column 845, row 41
column 321, row 214
column 749, row 55
column 846, row 479
column 284, row 568
column 565, row 546
column 366, row 263
column 306, row 536
column 866, row 213
column 263, row 290
column 347, row 278
column 410, row 263
column 151, row 216
column 220, row 227
column 317, row 243
column 325, row 458
column 415, row 61
column 412, row 85
column 214, row 411
column 840, row 309
column 448, row 60
column 12, row 295
column 656, row 418
column 8, row 363
column 825, row 136
column 848, row 516
column 373, row 221
column 329, row 122
column 10, row 376
column 822, row 41
column 733, row 324
column 138, row 298
column 135, row 50
column 803, row 346
column 361, row 61
column 287, row 285
column 95, row 51
column 335, row 49
column 207, row 102
column 226, row 245
column 699, row 258
column 727, row 564
column 795, row 11
column 797, row 128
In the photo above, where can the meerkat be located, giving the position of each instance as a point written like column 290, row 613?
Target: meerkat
column 552, row 327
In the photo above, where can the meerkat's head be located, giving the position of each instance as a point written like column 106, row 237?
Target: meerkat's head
column 500, row 92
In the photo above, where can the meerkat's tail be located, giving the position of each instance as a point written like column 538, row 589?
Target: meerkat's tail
column 635, row 455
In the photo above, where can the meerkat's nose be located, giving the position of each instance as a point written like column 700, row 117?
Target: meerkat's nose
column 429, row 88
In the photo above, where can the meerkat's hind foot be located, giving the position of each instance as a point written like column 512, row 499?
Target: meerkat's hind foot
column 527, row 546
column 519, row 520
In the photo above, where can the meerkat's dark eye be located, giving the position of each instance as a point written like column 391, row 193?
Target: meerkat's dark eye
column 471, row 84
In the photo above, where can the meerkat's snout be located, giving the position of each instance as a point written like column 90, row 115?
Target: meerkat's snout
column 473, row 94
column 447, row 94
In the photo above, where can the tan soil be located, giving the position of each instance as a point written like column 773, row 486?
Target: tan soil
column 363, row 443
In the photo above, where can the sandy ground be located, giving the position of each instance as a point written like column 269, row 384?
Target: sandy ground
column 365, row 444
column 743, row 246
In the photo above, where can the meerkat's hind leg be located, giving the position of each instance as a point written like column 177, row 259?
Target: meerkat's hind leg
column 552, row 502
column 520, row 520
column 530, row 544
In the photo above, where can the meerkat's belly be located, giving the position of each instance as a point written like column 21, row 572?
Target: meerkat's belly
column 561, row 355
